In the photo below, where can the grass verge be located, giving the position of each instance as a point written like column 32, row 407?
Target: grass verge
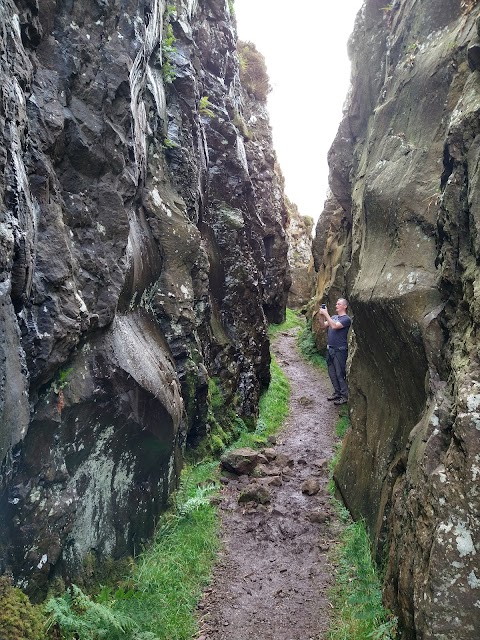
column 308, row 348
column 358, row 612
column 292, row 320
column 273, row 409
column 158, row 599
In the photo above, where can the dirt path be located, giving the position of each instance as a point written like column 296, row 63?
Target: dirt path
column 272, row 580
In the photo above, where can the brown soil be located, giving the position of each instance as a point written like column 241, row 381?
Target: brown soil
column 272, row 579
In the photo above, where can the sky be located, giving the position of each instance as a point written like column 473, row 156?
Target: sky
column 305, row 48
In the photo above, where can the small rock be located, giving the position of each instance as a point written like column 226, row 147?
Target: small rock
column 275, row 481
column 260, row 471
column 269, row 453
column 255, row 493
column 317, row 516
column 272, row 440
column 311, row 487
column 241, row 461
column 283, row 461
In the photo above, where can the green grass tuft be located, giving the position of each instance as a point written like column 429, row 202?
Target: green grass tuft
column 357, row 596
column 170, row 575
column 308, row 348
column 292, row 320
column 273, row 409
column 358, row 612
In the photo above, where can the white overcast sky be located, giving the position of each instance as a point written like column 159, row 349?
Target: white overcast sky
column 305, row 47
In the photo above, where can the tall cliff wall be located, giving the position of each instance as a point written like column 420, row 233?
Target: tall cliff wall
column 399, row 237
column 299, row 232
column 143, row 250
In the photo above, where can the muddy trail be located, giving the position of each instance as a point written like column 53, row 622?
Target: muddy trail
column 273, row 576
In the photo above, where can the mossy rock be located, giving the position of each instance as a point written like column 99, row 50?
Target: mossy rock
column 19, row 619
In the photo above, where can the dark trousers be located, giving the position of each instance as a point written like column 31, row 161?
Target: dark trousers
column 336, row 362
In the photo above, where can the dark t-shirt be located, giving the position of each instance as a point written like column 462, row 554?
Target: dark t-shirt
column 338, row 337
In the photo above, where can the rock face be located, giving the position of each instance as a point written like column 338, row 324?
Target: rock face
column 143, row 250
column 399, row 236
column 299, row 233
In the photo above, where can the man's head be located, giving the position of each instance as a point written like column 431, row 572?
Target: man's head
column 341, row 306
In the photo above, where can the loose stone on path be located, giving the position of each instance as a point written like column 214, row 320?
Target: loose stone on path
column 274, row 573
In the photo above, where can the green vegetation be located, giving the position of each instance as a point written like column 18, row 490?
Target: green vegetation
column 253, row 71
column 204, row 107
column 19, row 619
column 273, row 409
column 308, row 348
column 291, row 321
column 357, row 595
column 169, row 144
column 82, row 618
column 61, row 383
column 168, row 49
column 223, row 423
column 241, row 125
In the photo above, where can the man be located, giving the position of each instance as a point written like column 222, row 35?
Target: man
column 337, row 349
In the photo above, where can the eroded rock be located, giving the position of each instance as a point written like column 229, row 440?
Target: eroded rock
column 143, row 248
column 399, row 239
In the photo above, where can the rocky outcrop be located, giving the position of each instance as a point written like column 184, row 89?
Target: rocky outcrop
column 299, row 233
column 143, row 249
column 399, row 236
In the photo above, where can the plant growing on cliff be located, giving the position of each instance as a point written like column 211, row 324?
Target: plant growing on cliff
column 204, row 107
column 19, row 620
column 169, row 144
column 253, row 71
column 168, row 50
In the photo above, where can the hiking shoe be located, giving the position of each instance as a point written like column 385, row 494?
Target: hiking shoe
column 341, row 400
column 335, row 396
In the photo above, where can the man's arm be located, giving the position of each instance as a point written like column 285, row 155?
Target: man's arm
column 333, row 324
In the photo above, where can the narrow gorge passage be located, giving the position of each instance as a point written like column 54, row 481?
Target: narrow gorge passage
column 273, row 576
